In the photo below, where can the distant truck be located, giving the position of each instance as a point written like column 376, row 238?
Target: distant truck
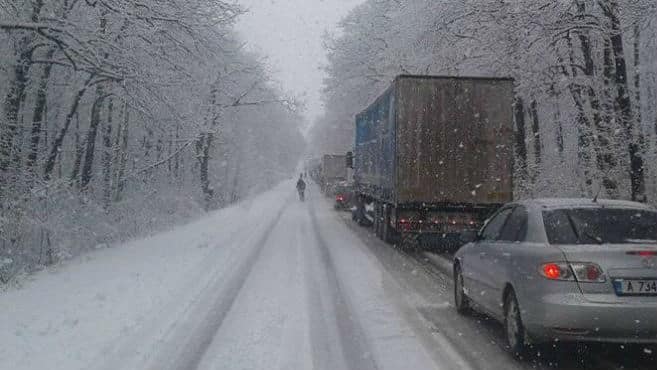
column 433, row 157
column 313, row 169
column 334, row 171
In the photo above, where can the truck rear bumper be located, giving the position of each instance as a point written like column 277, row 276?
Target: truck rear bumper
column 435, row 241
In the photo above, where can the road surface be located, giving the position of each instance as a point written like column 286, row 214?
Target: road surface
column 272, row 283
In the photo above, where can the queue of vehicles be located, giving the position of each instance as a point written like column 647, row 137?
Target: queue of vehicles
column 433, row 159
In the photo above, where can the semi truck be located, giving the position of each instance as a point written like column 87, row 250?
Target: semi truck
column 313, row 168
column 334, row 171
column 433, row 157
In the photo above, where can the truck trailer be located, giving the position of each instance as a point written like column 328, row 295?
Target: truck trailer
column 434, row 156
column 334, row 171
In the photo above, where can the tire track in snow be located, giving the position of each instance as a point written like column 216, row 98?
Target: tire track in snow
column 352, row 341
column 326, row 347
column 137, row 350
column 444, row 333
column 191, row 338
column 476, row 355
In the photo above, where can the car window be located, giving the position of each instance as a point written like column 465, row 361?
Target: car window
column 558, row 228
column 515, row 228
column 600, row 226
column 494, row 226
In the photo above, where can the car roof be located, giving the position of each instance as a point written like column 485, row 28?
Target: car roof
column 560, row 203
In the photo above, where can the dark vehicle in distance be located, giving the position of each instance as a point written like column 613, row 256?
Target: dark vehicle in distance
column 333, row 171
column 313, row 169
column 434, row 157
column 343, row 194
column 564, row 270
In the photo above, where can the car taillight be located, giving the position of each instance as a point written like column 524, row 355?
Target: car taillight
column 557, row 271
column 581, row 272
column 588, row 273
column 339, row 198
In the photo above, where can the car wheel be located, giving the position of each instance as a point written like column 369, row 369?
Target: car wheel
column 514, row 328
column 461, row 300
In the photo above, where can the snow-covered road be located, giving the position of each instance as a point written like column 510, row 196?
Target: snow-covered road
column 271, row 283
column 256, row 286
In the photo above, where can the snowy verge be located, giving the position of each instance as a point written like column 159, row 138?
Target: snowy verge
column 73, row 316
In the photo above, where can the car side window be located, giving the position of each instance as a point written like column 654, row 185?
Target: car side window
column 494, row 226
column 515, row 229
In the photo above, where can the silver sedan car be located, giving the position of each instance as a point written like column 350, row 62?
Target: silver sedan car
column 564, row 270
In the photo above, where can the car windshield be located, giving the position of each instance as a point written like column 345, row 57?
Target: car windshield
column 600, row 226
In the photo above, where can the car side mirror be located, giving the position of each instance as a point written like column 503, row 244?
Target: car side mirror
column 469, row 236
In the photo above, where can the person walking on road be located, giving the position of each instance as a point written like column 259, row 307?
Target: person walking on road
column 301, row 188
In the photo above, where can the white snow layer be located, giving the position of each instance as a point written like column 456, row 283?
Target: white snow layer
column 269, row 283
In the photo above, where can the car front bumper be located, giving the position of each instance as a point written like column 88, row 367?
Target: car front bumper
column 571, row 317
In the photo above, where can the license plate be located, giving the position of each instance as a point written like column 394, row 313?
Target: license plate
column 635, row 287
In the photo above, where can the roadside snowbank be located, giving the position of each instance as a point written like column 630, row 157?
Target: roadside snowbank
column 72, row 316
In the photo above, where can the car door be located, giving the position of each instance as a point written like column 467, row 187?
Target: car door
column 499, row 262
column 476, row 263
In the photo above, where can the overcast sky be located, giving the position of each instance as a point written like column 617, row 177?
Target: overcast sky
column 289, row 34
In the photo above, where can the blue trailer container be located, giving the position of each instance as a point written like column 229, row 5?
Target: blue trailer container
column 434, row 155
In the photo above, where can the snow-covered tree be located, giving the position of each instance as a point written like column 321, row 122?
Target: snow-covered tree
column 119, row 117
column 585, row 85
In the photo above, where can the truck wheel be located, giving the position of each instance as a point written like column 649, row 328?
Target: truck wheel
column 389, row 233
column 358, row 214
column 407, row 242
column 375, row 221
column 386, row 231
